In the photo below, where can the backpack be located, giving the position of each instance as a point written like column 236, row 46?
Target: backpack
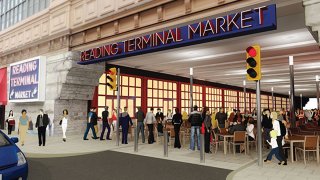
column 282, row 129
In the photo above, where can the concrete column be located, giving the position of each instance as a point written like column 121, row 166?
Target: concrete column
column 312, row 17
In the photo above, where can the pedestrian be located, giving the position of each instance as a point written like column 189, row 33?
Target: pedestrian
column 11, row 122
column 94, row 120
column 221, row 117
column 91, row 118
column 64, row 124
column 150, row 120
column 207, row 132
column 276, row 126
column 105, row 124
column 41, row 124
column 214, row 121
column 177, row 122
column 196, row 121
column 169, row 116
column 126, row 123
column 113, row 119
column 140, row 126
column 275, row 148
column 159, row 118
column 266, row 124
column 24, row 121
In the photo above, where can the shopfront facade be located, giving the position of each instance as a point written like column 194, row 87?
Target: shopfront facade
column 66, row 28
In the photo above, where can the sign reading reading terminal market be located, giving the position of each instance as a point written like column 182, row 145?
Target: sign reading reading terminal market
column 27, row 80
column 242, row 23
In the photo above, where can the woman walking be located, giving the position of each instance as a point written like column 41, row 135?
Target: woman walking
column 11, row 122
column 64, row 124
column 207, row 133
column 177, row 121
column 23, row 126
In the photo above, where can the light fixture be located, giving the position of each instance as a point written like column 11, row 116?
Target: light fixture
column 290, row 60
column 272, row 89
column 244, row 82
column 317, row 78
column 191, row 71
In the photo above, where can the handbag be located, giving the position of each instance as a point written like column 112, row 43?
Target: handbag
column 12, row 122
column 60, row 122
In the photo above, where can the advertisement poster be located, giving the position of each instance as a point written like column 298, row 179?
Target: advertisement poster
column 27, row 80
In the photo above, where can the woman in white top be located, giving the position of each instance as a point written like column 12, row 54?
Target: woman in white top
column 64, row 124
column 11, row 122
column 250, row 132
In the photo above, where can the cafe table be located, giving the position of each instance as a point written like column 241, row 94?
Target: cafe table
column 294, row 139
column 229, row 136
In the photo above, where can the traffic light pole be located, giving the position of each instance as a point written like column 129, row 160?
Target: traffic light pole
column 292, row 109
column 259, row 133
column 245, row 97
column 118, row 106
column 191, row 90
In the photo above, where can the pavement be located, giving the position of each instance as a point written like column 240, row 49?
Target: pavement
column 240, row 166
column 118, row 166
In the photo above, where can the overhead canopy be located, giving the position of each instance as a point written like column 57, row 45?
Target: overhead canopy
column 224, row 61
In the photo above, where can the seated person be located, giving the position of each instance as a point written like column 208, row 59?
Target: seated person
column 250, row 132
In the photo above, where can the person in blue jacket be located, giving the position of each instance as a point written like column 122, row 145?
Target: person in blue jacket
column 125, row 122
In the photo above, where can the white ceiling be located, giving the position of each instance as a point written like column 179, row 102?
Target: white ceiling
column 224, row 61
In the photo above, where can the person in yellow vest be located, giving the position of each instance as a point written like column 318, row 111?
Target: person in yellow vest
column 214, row 121
column 184, row 118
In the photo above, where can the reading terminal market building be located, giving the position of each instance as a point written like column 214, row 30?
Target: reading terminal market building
column 55, row 55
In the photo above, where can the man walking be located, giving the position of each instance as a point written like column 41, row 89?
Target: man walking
column 91, row 118
column 149, row 121
column 105, row 124
column 140, row 126
column 41, row 124
column 125, row 122
column 196, row 121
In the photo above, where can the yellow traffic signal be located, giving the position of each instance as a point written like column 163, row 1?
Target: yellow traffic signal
column 253, row 63
column 112, row 79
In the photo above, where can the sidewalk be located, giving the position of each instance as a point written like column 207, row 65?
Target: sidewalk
column 244, row 166
column 272, row 171
column 55, row 147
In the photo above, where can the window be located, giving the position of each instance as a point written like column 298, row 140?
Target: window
column 130, row 95
column 161, row 94
column 213, row 98
column 264, row 102
column 253, row 101
column 230, row 99
column 3, row 141
column 278, row 103
column 241, row 101
column 185, row 96
column 13, row 11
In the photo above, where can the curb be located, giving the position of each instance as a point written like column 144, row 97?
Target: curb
column 233, row 173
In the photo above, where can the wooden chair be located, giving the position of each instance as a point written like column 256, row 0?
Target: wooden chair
column 310, row 144
column 171, row 136
column 223, row 131
column 255, row 142
column 215, row 142
column 239, row 138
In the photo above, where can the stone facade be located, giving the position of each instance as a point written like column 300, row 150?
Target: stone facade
column 68, row 86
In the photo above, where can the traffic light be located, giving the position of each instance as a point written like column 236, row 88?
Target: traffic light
column 112, row 79
column 253, row 63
